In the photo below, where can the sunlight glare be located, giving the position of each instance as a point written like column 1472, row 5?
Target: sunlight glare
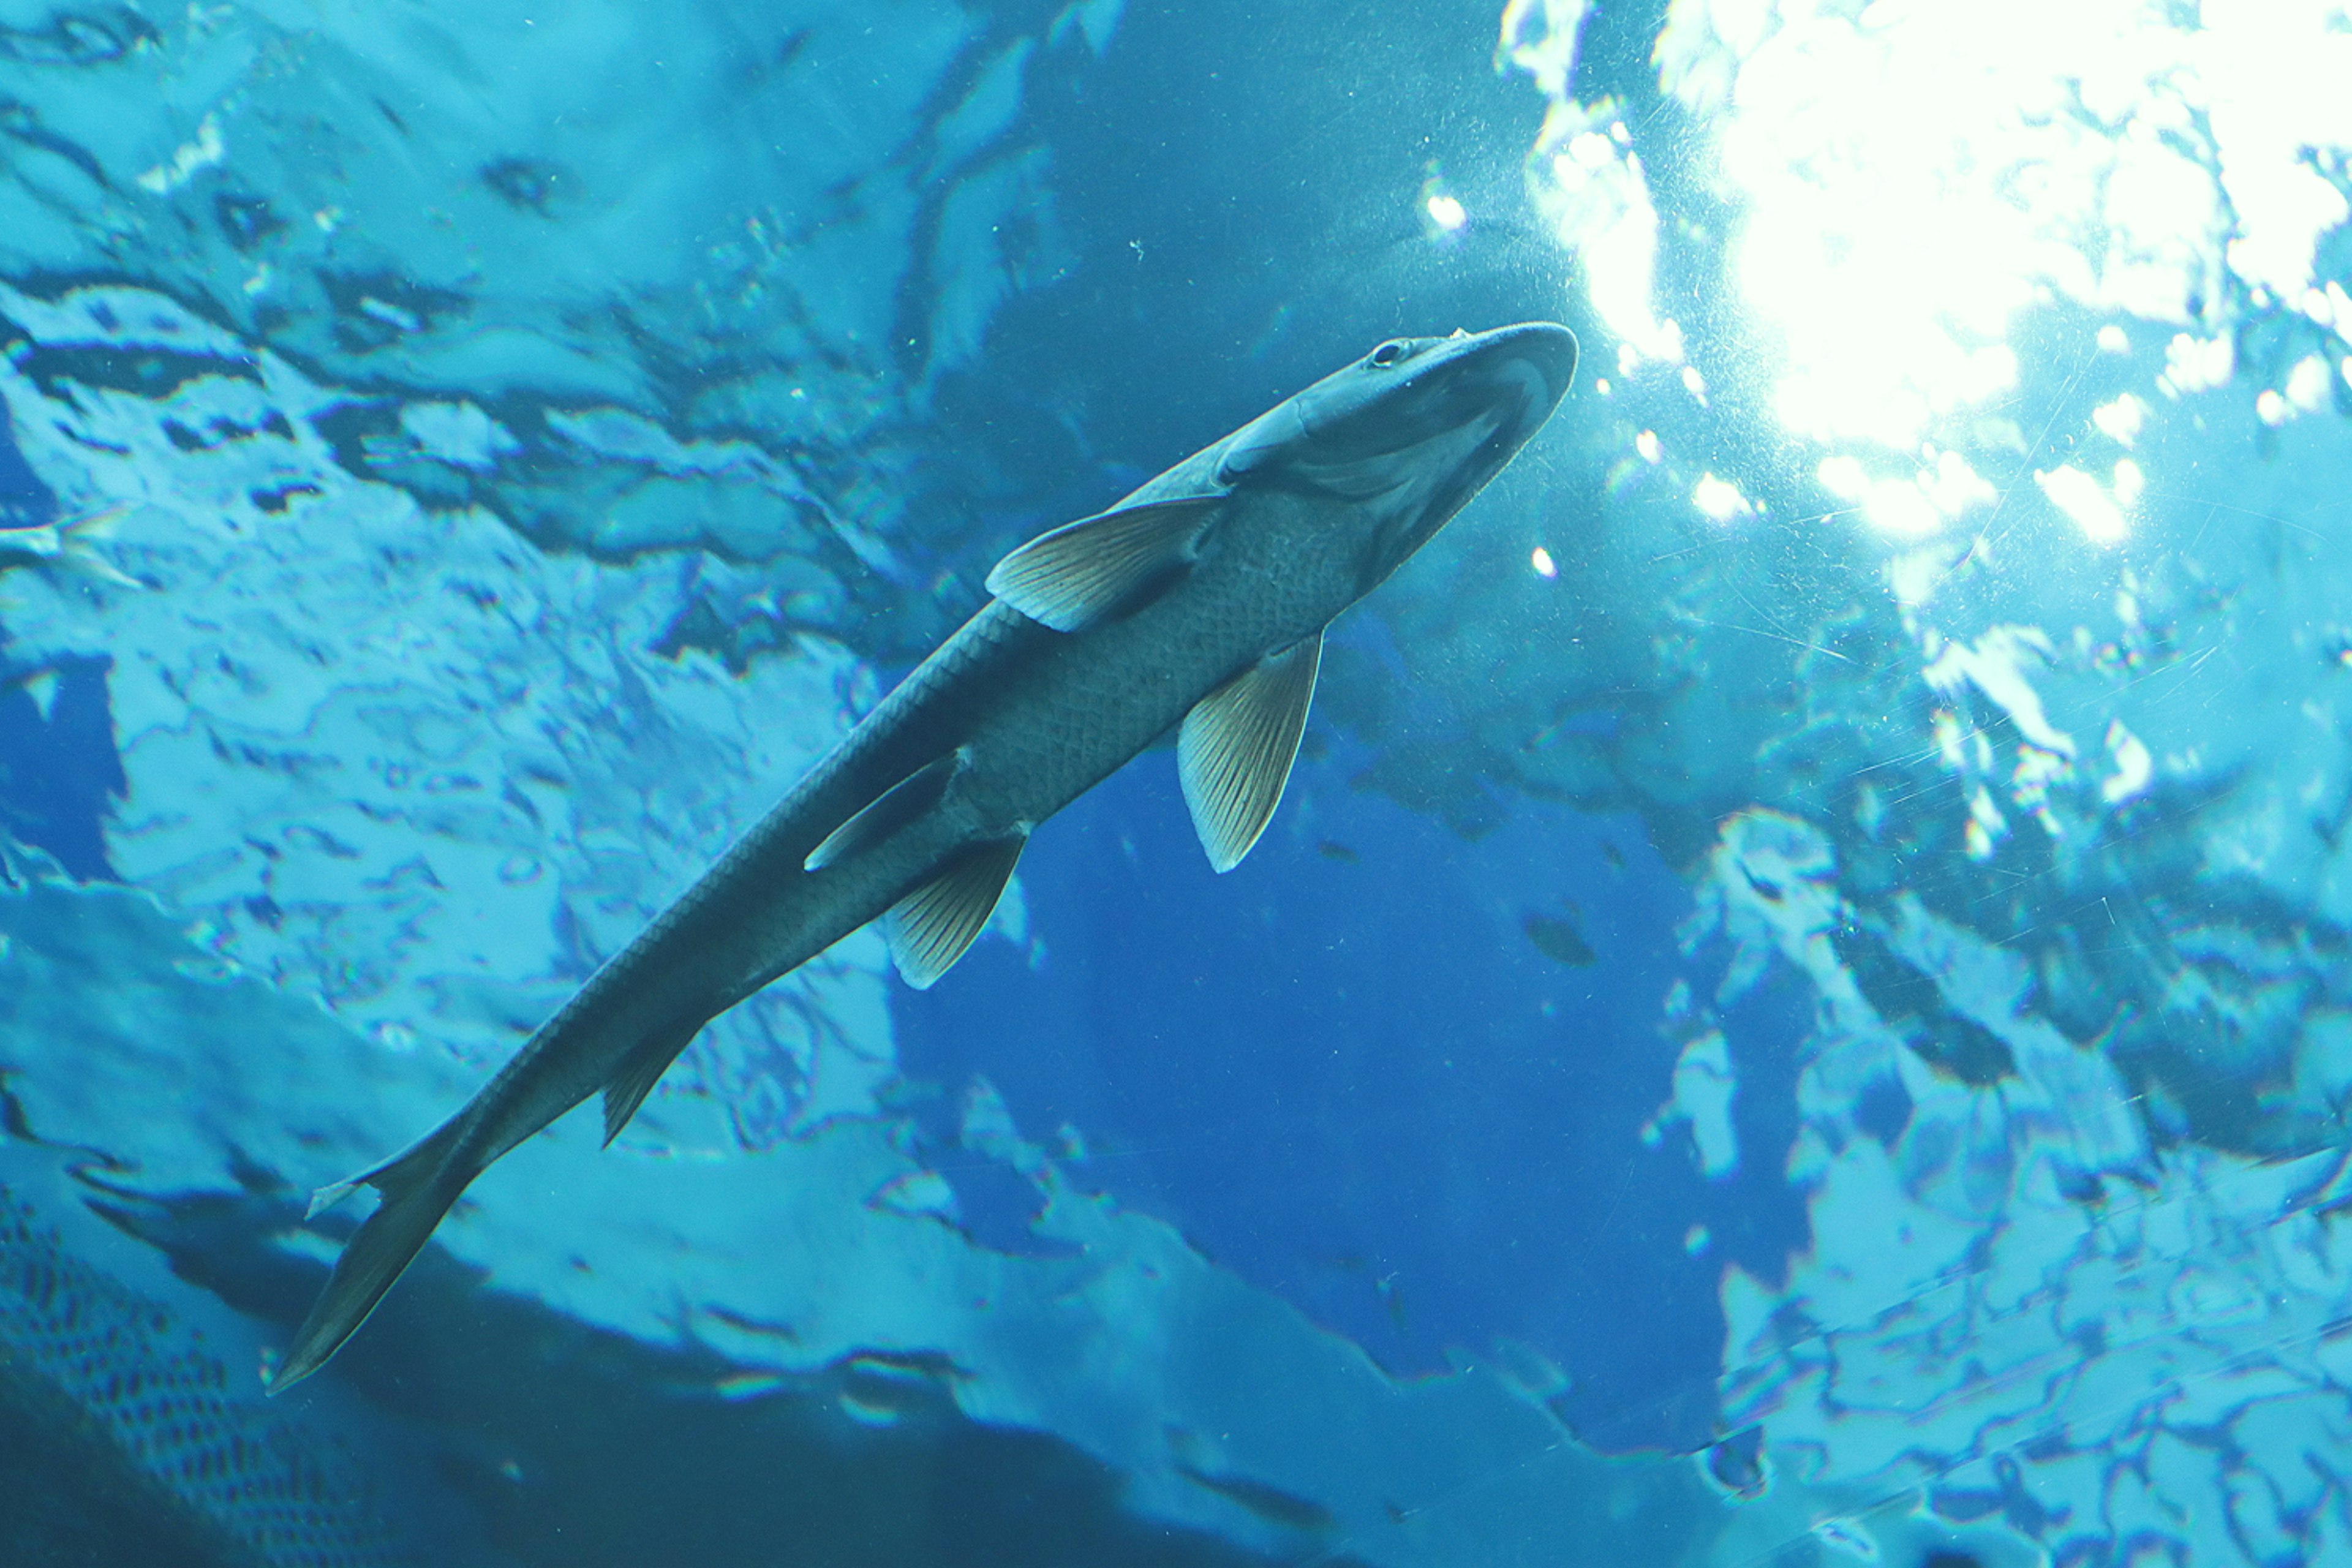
column 1719, row 500
column 1909, row 180
column 2082, row 497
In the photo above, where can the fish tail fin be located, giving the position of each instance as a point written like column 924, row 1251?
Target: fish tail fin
column 417, row 1186
column 78, row 543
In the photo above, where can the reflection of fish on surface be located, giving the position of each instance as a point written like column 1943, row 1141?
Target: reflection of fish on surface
column 1199, row 601
column 69, row 544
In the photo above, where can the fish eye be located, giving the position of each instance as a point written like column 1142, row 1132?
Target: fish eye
column 1389, row 353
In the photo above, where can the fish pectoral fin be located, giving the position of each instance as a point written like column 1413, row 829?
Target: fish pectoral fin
column 1072, row 577
column 887, row 812
column 1237, row 746
column 930, row 928
column 639, row 1072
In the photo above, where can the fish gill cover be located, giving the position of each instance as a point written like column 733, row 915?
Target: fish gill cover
column 1816, row 914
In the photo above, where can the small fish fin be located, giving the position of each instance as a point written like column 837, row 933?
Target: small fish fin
column 417, row 1188
column 327, row 1198
column 1238, row 743
column 77, row 538
column 404, row 1169
column 639, row 1073
column 99, row 524
column 1082, row 570
column 887, row 812
column 41, row 686
column 930, row 928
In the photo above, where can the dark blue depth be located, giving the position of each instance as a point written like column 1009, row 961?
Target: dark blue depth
column 1346, row 1072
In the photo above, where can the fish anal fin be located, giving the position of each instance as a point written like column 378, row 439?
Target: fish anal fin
column 640, row 1072
column 887, row 812
column 1082, row 570
column 1234, row 754
column 931, row 927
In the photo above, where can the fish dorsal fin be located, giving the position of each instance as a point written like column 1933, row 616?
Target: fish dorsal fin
column 1237, row 746
column 640, row 1071
column 930, row 928
column 887, row 812
column 1082, row 570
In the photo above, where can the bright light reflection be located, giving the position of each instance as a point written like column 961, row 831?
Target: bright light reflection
column 1892, row 506
column 1598, row 198
column 2134, row 766
column 2195, row 364
column 2081, row 497
column 1540, row 559
column 2120, row 421
column 2130, row 484
column 1720, row 499
column 1844, row 478
column 2307, row 384
column 1912, row 177
column 1447, row 213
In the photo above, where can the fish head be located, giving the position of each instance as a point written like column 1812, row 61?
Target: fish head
column 1408, row 433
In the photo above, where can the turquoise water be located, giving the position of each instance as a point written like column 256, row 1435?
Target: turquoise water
column 1795, row 1009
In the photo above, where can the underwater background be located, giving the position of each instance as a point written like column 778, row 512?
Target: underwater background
column 1798, row 1008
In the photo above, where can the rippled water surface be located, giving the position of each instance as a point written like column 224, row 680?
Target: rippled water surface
column 1797, row 1008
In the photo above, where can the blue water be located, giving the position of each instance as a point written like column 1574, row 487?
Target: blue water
column 1758, row 1033
column 1422, row 1130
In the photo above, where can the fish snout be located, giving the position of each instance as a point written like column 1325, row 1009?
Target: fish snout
column 1537, row 357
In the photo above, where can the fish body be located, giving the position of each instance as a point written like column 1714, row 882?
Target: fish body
column 1196, row 604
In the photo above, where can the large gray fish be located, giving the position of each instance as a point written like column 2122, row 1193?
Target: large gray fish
column 1199, row 601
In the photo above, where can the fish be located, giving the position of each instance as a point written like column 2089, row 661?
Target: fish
column 1197, row 604
column 70, row 544
column 1559, row 941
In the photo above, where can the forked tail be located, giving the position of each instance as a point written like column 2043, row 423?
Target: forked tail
column 417, row 1190
column 78, row 541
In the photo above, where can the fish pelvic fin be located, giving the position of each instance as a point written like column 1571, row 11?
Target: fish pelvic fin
column 931, row 927
column 639, row 1073
column 417, row 1187
column 1234, row 754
